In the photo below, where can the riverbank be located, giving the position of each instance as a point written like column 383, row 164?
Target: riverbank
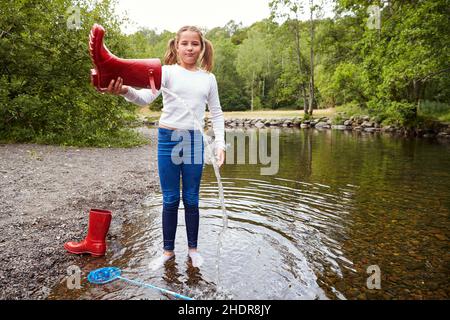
column 323, row 119
column 47, row 192
column 356, row 123
column 150, row 116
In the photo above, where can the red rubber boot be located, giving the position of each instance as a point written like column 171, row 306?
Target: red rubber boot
column 142, row 73
column 94, row 243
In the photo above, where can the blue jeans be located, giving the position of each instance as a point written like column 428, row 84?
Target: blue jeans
column 180, row 153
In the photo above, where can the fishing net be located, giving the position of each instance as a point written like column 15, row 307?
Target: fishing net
column 104, row 275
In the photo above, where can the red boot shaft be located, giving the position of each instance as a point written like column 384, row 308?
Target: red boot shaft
column 142, row 73
column 94, row 243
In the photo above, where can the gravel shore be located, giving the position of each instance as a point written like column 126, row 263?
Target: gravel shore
column 46, row 194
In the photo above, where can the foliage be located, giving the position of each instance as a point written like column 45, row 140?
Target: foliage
column 45, row 93
column 436, row 110
column 407, row 60
column 351, row 109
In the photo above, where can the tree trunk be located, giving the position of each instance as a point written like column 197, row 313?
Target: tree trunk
column 417, row 90
column 305, row 99
column 263, row 85
column 253, row 84
column 299, row 59
column 311, row 78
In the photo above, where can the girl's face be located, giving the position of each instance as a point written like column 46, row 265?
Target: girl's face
column 189, row 48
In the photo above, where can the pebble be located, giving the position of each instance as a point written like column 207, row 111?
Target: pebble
column 362, row 296
column 440, row 236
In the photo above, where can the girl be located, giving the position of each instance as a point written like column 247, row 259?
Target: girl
column 177, row 134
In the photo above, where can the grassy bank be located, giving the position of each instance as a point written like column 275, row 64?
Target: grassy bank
column 435, row 110
column 124, row 138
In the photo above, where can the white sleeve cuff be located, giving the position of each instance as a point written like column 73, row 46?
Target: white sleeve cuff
column 131, row 95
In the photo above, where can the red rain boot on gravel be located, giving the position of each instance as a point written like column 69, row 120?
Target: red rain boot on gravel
column 142, row 73
column 94, row 243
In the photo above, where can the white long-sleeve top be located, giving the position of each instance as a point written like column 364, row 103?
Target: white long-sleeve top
column 196, row 89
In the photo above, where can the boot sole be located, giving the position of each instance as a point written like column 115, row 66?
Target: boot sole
column 83, row 252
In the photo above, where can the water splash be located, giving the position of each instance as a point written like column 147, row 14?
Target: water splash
column 213, row 160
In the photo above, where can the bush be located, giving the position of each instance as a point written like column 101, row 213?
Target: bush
column 45, row 94
column 396, row 113
column 348, row 84
column 156, row 105
column 436, row 110
column 338, row 119
column 307, row 116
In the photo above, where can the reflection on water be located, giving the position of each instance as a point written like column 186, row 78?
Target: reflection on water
column 340, row 202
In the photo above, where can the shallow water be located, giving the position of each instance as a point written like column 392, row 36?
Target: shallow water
column 340, row 202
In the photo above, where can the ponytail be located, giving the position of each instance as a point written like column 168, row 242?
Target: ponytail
column 170, row 57
column 207, row 59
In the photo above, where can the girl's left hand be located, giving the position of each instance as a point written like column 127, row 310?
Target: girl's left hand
column 220, row 156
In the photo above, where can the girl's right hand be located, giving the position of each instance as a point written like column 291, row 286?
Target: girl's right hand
column 115, row 87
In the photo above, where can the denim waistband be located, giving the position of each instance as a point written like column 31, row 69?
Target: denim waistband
column 172, row 130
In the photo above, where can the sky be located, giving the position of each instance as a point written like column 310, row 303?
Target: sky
column 173, row 14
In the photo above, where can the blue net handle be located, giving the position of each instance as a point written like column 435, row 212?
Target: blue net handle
column 176, row 295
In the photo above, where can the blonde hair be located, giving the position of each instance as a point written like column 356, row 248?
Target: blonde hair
column 206, row 57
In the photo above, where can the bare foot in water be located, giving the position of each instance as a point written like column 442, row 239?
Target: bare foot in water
column 196, row 258
column 161, row 260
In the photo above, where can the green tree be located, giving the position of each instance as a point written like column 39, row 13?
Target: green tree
column 251, row 62
column 232, row 92
column 407, row 57
column 46, row 95
column 291, row 10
